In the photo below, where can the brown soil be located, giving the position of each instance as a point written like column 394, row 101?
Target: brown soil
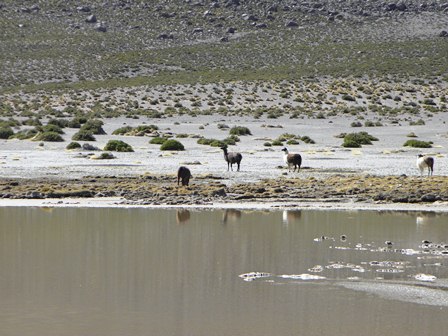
column 163, row 190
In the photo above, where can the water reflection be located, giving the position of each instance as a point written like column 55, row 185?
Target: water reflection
column 291, row 216
column 232, row 215
column 117, row 272
column 182, row 216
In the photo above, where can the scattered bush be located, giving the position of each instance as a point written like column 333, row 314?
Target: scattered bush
column 276, row 143
column 77, row 122
column 240, row 130
column 412, row 135
column 6, row 132
column 157, row 141
column 49, row 136
column 103, row 156
column 51, row 128
column 355, row 140
column 356, row 124
column 173, row 145
column 292, row 142
column 93, row 126
column 83, row 136
column 118, row 146
column 307, row 139
column 32, row 122
column 73, row 145
column 25, row 134
column 122, row 130
column 181, row 135
column 62, row 123
column 417, row 144
column 419, row 122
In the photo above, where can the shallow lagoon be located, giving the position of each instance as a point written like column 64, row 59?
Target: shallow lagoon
column 99, row 271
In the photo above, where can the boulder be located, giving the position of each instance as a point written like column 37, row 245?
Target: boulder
column 91, row 19
column 101, row 27
column 84, row 9
column 443, row 33
column 292, row 24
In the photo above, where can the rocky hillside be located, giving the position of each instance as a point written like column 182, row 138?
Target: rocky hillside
column 111, row 43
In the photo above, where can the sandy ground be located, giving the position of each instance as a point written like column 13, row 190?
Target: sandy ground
column 25, row 159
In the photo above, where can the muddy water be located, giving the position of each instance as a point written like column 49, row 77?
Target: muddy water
column 167, row 272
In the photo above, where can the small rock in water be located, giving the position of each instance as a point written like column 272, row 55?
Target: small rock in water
column 254, row 275
column 302, row 276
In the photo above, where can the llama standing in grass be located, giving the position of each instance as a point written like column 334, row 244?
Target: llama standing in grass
column 232, row 158
column 184, row 175
column 292, row 160
column 425, row 162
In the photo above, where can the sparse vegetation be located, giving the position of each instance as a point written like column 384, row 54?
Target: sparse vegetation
column 48, row 137
column 83, row 136
column 417, row 144
column 240, row 130
column 172, row 145
column 118, row 146
column 73, row 145
column 356, row 140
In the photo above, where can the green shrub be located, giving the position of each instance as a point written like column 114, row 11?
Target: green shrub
column 356, row 124
column 51, row 128
column 172, row 145
column 218, row 143
column 182, row 135
column 205, row 141
column 32, row 122
column 286, row 136
column 73, row 145
column 355, row 140
column 292, row 142
column 83, row 136
column 417, row 144
column 307, row 139
column 348, row 98
column 49, row 136
column 158, row 141
column 6, row 132
column 62, row 123
column 350, row 143
column 267, row 144
column 419, row 122
column 77, row 122
column 25, row 134
column 122, row 130
column 276, row 143
column 118, row 146
column 94, row 126
column 240, row 130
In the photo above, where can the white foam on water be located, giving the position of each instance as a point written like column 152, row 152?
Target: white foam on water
column 425, row 277
column 254, row 275
column 302, row 276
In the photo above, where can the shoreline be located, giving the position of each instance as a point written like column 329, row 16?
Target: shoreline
column 119, row 203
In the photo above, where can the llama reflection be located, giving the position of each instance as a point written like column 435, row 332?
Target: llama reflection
column 425, row 217
column 182, row 216
column 290, row 216
column 231, row 214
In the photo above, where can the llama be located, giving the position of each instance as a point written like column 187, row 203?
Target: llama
column 425, row 162
column 292, row 160
column 232, row 158
column 184, row 175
